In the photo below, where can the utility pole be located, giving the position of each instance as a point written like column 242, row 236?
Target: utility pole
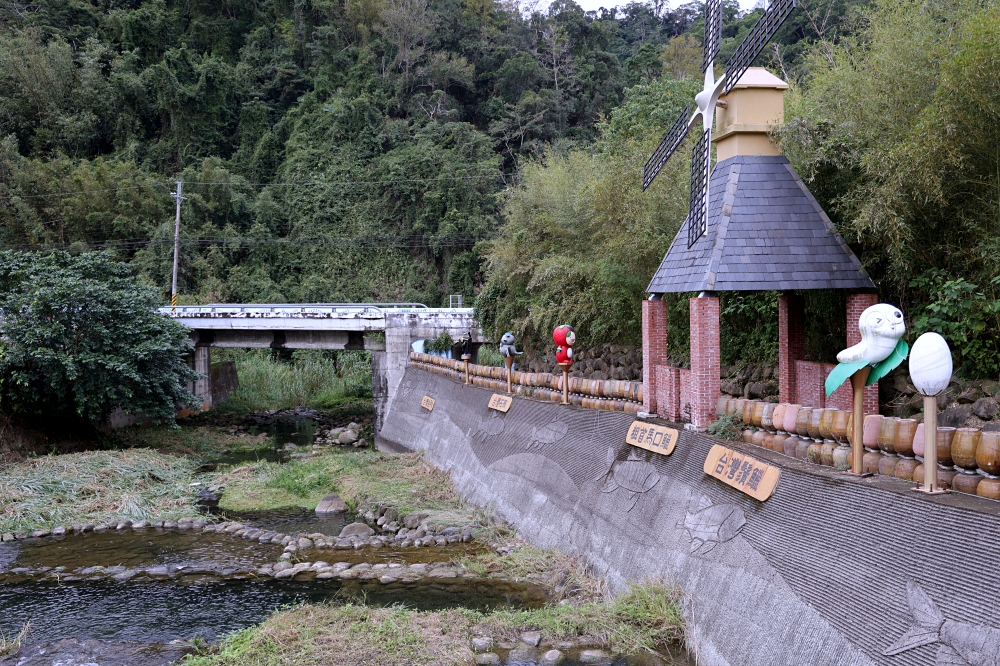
column 177, row 244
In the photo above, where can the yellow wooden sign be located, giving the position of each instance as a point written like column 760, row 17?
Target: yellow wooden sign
column 501, row 403
column 652, row 437
column 746, row 474
column 427, row 403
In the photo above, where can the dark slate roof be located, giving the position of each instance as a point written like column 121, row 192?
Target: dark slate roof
column 765, row 232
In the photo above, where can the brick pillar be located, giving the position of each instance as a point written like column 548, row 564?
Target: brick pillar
column 856, row 304
column 705, row 360
column 654, row 349
column 791, row 343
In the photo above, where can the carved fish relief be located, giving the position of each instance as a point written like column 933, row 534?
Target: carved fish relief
column 962, row 644
column 710, row 524
column 488, row 427
column 548, row 434
column 633, row 476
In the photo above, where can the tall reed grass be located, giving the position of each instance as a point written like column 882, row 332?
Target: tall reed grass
column 315, row 378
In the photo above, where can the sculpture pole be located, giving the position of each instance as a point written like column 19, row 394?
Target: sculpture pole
column 466, row 357
column 508, row 361
column 565, row 369
column 930, row 445
column 858, row 380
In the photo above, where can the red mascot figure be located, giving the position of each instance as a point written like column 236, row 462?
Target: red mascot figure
column 564, row 336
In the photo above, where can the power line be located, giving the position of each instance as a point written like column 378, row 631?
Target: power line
column 313, row 183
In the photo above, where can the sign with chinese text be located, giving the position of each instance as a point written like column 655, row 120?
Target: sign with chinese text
column 742, row 472
column 501, row 403
column 652, row 437
column 427, row 403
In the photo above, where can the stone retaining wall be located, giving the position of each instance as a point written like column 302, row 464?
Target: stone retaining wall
column 829, row 571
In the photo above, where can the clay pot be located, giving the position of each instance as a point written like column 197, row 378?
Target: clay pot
column 842, row 457
column 768, row 440
column 869, row 463
column 944, row 476
column 841, row 425
column 989, row 488
column 758, row 438
column 988, row 453
column 732, row 405
column 873, row 423
column 748, row 435
column 966, row 483
column 814, row 453
column 918, row 442
column 945, row 436
column 887, row 434
column 778, row 443
column 778, row 417
column 826, row 452
column 904, row 469
column 802, row 422
column 721, row 405
column 815, row 416
column 758, row 413
column 904, row 437
column 766, row 419
column 789, row 445
column 802, row 448
column 748, row 411
column 791, row 412
column 963, row 447
column 826, row 424
column 887, row 465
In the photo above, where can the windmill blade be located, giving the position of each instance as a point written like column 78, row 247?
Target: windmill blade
column 667, row 146
column 697, row 221
column 713, row 32
column 762, row 32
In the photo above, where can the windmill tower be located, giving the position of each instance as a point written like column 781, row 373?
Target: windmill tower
column 752, row 225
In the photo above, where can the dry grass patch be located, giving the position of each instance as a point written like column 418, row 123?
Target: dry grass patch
column 197, row 442
column 94, row 487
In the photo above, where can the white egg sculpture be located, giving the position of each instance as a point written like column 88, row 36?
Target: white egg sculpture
column 930, row 364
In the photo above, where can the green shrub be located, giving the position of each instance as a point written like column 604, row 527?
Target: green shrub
column 728, row 426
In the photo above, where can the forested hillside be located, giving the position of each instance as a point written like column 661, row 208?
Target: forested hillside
column 331, row 150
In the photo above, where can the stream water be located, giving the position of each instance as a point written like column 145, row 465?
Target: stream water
column 176, row 585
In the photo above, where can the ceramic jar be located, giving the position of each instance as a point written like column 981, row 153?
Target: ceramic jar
column 802, row 422
column 758, row 413
column 944, row 476
column 767, row 420
column 842, row 458
column 768, row 440
column 814, row 453
column 989, row 488
column 903, row 443
column 721, row 405
column 963, row 448
column 802, row 448
column 887, row 465
column 826, row 424
column 887, row 434
column 869, row 463
column 966, row 483
column 826, row 452
column 778, row 443
column 841, row 425
column 778, row 417
column 732, row 405
column 904, row 468
column 758, row 438
column 815, row 416
column 791, row 412
column 790, row 445
column 872, row 425
column 918, row 442
column 748, row 412
column 748, row 435
column 945, row 435
column 988, row 453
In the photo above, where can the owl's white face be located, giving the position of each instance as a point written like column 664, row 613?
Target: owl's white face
column 884, row 321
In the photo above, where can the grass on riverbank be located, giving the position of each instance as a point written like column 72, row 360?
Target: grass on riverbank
column 330, row 381
column 361, row 478
column 93, row 487
column 646, row 618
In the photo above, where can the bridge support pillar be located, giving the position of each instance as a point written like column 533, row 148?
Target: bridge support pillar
column 202, row 387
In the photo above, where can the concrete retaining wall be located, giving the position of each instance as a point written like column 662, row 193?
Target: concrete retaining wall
column 828, row 571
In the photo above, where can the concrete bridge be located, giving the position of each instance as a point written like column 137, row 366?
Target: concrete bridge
column 385, row 329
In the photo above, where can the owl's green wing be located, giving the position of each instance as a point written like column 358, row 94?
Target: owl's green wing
column 841, row 374
column 889, row 363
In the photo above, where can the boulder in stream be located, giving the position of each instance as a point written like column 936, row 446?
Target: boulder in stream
column 357, row 529
column 331, row 504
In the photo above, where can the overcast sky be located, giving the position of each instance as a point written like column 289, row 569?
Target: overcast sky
column 595, row 4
